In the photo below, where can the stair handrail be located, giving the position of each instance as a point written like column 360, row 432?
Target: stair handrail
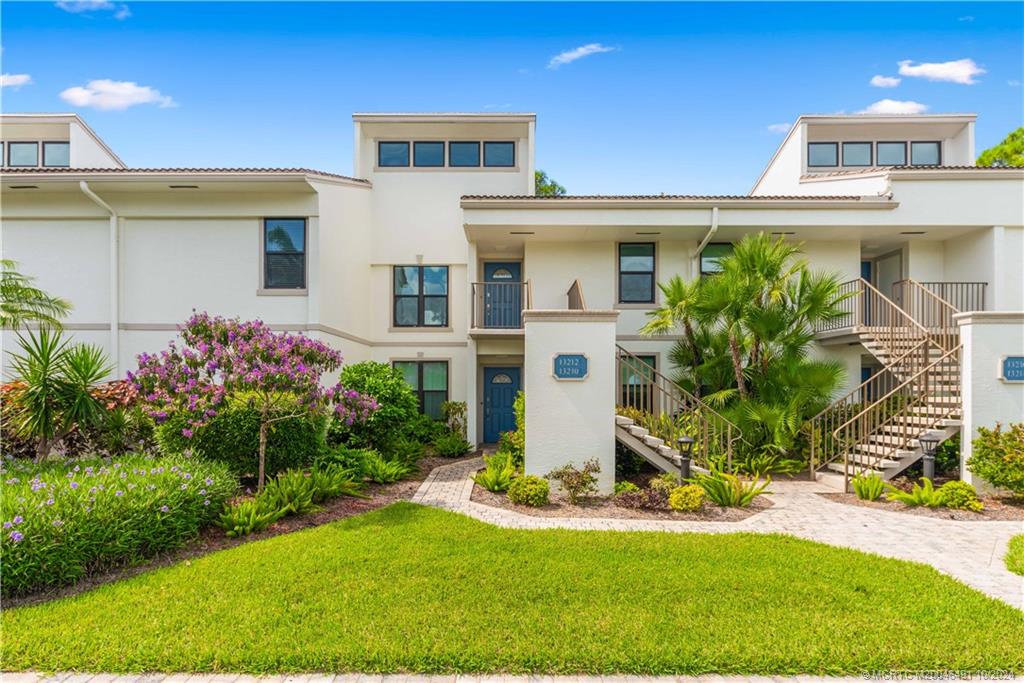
column 713, row 434
column 933, row 312
column 824, row 421
column 862, row 417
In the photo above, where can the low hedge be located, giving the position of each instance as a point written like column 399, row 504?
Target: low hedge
column 233, row 437
column 62, row 522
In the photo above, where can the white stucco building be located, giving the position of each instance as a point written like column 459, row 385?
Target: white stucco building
column 428, row 255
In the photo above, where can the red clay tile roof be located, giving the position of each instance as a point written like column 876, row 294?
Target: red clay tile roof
column 879, row 169
column 180, row 171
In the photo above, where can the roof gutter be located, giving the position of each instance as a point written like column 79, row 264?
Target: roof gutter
column 115, row 267
column 707, row 238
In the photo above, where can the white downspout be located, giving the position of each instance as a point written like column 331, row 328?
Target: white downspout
column 707, row 238
column 115, row 266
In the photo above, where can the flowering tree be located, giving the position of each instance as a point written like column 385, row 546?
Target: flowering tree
column 225, row 358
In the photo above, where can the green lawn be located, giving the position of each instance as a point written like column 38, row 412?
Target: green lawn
column 409, row 588
column 1015, row 555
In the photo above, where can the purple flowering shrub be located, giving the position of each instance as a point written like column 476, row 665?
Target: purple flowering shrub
column 63, row 521
column 225, row 358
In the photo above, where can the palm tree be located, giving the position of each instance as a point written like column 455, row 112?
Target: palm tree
column 20, row 302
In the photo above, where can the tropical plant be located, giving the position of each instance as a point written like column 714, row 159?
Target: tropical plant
column 454, row 413
column 728, row 490
column 21, row 302
column 57, row 379
column 529, row 490
column 868, row 487
column 688, row 498
column 225, row 358
column 353, row 460
column 382, row 471
column 332, row 481
column 769, row 460
column 514, row 442
column 998, row 457
column 291, row 493
column 959, row 495
column 451, row 445
column 248, row 516
column 923, row 494
column 577, row 482
column 497, row 474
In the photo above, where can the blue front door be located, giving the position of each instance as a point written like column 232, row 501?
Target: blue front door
column 500, row 387
column 503, row 295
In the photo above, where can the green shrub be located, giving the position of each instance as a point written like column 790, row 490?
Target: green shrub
column 664, row 483
column 248, row 516
column 291, row 493
column 332, row 481
column 766, row 461
column 625, row 487
column 498, row 474
column 350, row 459
column 643, row 499
column 385, row 471
column 688, row 498
column 728, row 490
column 921, row 494
column 947, row 455
column 451, row 445
column 529, row 490
column 404, row 450
column 64, row 521
column 868, row 487
column 514, row 442
column 233, row 436
column 454, row 413
column 577, row 482
column 998, row 457
column 959, row 495
column 422, row 429
column 398, row 406
column 627, row 463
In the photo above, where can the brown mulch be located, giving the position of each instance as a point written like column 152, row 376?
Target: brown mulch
column 213, row 539
column 605, row 508
column 997, row 508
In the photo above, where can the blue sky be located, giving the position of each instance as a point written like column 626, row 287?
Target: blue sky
column 645, row 98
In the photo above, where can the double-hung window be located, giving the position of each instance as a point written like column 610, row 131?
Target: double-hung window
column 421, row 296
column 284, row 253
column 429, row 381
column 636, row 273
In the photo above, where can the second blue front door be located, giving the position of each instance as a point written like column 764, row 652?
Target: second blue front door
column 503, row 295
column 500, row 388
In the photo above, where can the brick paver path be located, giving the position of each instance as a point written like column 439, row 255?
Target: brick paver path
column 969, row 551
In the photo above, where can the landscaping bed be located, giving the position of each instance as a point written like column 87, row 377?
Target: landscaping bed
column 997, row 508
column 606, row 508
column 415, row 589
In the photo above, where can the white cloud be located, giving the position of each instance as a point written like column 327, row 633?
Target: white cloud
column 966, row 17
column 880, row 81
column 14, row 80
column 580, row 52
column 83, row 6
column 1013, row 84
column 959, row 71
column 779, row 128
column 108, row 95
column 888, row 106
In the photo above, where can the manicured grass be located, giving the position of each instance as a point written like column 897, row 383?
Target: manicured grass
column 409, row 588
column 1015, row 555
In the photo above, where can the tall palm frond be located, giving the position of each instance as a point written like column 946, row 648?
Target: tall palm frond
column 21, row 302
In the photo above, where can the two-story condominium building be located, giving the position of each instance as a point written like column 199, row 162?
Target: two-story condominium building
column 435, row 254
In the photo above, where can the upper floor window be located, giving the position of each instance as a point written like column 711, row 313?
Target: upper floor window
column 856, row 154
column 463, row 154
column 284, row 253
column 421, row 296
column 709, row 258
column 56, row 154
column 22, row 153
column 391, row 154
column 428, row 154
column 925, row 154
column 822, row 154
column 891, row 153
column 636, row 273
column 500, row 154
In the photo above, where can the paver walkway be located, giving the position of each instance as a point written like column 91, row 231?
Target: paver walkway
column 969, row 551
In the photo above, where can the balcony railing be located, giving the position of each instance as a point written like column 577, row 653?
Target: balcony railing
column 500, row 305
column 963, row 296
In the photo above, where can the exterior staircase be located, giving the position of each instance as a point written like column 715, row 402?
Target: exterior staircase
column 875, row 429
column 654, row 413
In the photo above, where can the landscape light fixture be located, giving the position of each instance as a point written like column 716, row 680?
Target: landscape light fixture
column 684, row 445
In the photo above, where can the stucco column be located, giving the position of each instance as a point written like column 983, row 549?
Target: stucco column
column 570, row 418
column 988, row 337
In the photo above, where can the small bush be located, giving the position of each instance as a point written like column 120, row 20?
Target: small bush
column 625, row 487
column 333, row 481
column 643, row 499
column 921, row 494
column 451, row 445
column 248, row 516
column 65, row 521
column 728, row 490
column 422, row 429
column 291, row 493
column 959, row 495
column 233, row 437
column 998, row 457
column 577, row 482
column 404, row 450
column 664, row 482
column 688, row 498
column 947, row 455
column 454, row 413
column 350, row 459
column 385, row 471
column 497, row 475
column 514, row 442
column 529, row 490
column 398, row 406
column 868, row 487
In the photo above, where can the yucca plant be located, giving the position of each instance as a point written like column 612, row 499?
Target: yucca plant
column 924, row 494
column 498, row 474
column 331, row 481
column 728, row 490
column 868, row 487
column 291, row 493
column 383, row 471
column 248, row 516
